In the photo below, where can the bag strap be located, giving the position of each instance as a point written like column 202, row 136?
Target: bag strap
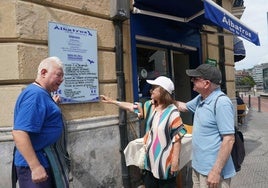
column 148, row 113
column 132, row 129
column 216, row 102
column 14, row 176
column 215, row 105
column 215, row 109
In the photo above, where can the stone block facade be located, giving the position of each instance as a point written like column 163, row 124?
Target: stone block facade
column 93, row 133
column 24, row 42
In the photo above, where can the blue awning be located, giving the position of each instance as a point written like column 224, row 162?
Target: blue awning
column 196, row 12
column 239, row 49
column 226, row 20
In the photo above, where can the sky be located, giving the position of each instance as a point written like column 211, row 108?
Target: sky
column 255, row 17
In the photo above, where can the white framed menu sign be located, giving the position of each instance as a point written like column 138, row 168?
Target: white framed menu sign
column 77, row 49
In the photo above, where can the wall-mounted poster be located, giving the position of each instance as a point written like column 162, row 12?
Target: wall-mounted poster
column 77, row 49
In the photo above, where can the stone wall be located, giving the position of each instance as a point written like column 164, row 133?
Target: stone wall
column 211, row 50
column 93, row 132
column 23, row 44
column 94, row 140
column 94, row 148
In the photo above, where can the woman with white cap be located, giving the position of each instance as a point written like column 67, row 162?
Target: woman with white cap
column 164, row 131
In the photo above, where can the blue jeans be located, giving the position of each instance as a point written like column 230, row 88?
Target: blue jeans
column 24, row 175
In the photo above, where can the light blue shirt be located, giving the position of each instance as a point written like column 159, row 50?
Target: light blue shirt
column 210, row 124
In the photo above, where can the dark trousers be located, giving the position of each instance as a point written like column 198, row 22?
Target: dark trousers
column 151, row 182
column 25, row 179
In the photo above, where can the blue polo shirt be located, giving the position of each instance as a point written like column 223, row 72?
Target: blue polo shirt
column 37, row 114
column 209, row 126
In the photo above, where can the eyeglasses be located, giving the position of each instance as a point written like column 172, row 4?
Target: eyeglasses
column 196, row 79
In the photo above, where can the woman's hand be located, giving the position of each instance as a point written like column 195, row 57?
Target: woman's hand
column 105, row 99
column 175, row 158
column 124, row 105
column 174, row 167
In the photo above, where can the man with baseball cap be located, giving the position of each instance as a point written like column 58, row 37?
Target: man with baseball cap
column 206, row 71
column 213, row 129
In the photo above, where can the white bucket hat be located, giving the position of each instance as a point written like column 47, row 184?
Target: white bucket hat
column 164, row 82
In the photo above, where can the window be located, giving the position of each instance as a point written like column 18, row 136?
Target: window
column 151, row 63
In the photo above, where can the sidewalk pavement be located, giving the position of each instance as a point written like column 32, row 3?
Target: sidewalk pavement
column 254, row 170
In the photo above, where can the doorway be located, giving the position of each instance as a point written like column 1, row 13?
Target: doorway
column 181, row 62
column 153, row 62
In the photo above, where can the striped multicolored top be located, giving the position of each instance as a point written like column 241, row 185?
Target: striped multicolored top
column 162, row 130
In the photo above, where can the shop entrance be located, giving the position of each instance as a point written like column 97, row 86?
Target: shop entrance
column 180, row 62
column 153, row 62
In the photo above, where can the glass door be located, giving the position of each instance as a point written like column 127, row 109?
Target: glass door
column 183, row 88
column 151, row 63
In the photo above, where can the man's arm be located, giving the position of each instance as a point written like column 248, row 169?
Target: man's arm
column 223, row 155
column 181, row 106
column 24, row 145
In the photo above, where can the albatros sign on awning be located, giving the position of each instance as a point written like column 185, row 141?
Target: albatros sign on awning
column 226, row 20
column 196, row 12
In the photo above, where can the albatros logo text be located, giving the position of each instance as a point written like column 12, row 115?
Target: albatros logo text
column 73, row 30
column 236, row 27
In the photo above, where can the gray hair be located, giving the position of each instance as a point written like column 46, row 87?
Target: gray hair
column 48, row 62
column 214, row 86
